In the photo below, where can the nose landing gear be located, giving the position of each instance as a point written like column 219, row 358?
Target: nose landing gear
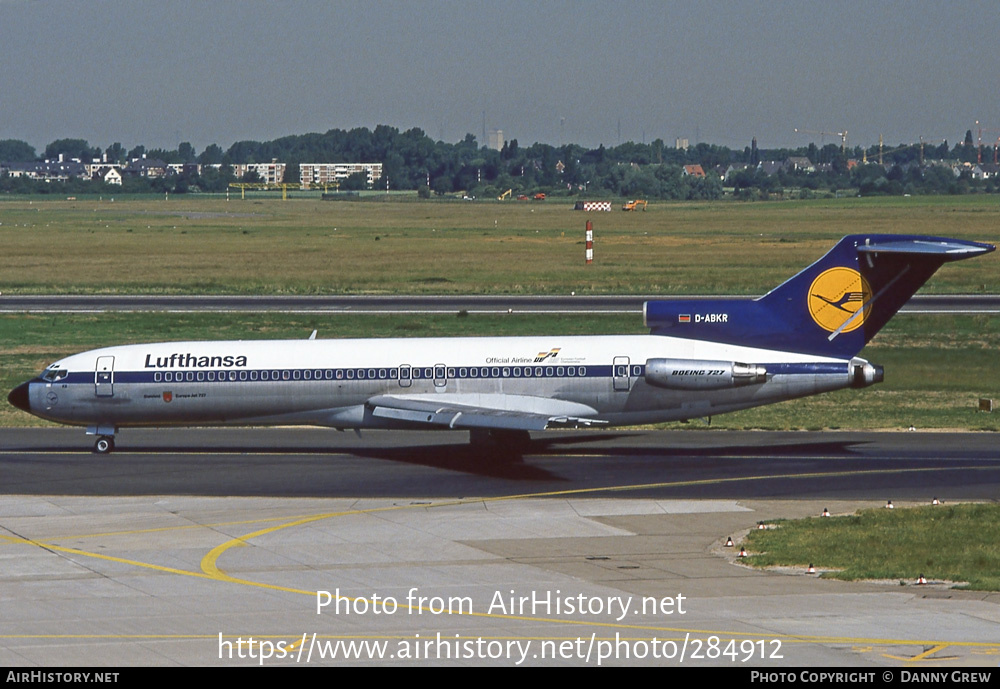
column 105, row 442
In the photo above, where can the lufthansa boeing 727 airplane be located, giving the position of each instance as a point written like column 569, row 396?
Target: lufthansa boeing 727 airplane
column 702, row 357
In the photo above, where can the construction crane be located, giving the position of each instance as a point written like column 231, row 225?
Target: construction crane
column 979, row 154
column 938, row 139
column 842, row 135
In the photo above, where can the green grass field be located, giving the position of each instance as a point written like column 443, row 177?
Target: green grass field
column 199, row 244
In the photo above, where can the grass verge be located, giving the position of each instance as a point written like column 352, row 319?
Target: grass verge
column 955, row 543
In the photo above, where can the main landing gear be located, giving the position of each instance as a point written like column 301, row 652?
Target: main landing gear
column 104, row 445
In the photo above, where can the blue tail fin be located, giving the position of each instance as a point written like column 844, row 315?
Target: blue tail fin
column 832, row 308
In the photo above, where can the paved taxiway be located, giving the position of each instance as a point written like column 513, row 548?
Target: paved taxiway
column 146, row 556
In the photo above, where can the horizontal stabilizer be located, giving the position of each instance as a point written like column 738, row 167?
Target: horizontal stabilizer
column 945, row 249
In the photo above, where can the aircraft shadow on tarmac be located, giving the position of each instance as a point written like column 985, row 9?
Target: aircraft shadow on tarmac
column 535, row 464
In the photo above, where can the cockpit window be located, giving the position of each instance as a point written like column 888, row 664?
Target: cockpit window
column 54, row 374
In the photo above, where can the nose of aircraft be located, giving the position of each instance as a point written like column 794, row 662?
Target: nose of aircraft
column 19, row 397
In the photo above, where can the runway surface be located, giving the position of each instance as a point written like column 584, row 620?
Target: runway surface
column 413, row 304
column 148, row 555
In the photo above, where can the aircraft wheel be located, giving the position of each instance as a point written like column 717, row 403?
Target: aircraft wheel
column 104, row 445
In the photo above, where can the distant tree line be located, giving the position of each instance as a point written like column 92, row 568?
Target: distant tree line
column 412, row 160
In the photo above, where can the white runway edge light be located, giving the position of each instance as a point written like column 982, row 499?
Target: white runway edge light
column 888, row 505
column 729, row 542
column 811, row 569
column 743, row 552
column 826, row 512
column 935, row 501
column 921, row 581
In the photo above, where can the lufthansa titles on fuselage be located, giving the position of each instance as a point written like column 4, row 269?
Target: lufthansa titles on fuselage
column 194, row 361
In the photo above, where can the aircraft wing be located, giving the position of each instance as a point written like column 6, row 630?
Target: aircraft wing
column 487, row 411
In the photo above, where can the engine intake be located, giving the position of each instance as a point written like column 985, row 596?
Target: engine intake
column 697, row 374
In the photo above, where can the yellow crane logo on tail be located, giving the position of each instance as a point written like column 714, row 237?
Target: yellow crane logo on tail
column 836, row 295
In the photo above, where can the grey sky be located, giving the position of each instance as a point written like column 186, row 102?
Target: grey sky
column 158, row 73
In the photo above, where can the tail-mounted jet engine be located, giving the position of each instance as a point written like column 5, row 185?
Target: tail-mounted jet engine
column 695, row 374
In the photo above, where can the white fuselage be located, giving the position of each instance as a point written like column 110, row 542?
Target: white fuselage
column 599, row 379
